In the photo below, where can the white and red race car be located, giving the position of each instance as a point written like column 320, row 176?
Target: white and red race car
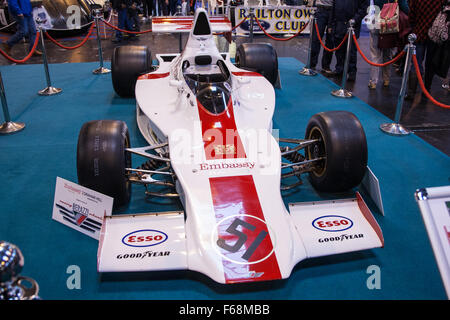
column 208, row 123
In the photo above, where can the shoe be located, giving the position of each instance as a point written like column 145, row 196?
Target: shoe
column 372, row 85
column 386, row 83
column 116, row 40
column 326, row 71
column 351, row 77
column 5, row 47
column 37, row 53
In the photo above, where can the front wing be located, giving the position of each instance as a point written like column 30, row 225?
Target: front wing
column 155, row 242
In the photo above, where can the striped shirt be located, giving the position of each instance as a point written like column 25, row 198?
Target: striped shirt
column 421, row 16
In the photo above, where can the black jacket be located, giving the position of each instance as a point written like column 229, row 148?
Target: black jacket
column 345, row 10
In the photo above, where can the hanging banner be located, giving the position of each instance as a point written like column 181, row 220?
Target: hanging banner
column 274, row 20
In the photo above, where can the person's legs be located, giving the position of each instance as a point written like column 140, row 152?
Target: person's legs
column 329, row 43
column 121, row 23
column 322, row 20
column 429, row 67
column 31, row 30
column 339, row 35
column 22, row 28
column 376, row 57
column 386, row 71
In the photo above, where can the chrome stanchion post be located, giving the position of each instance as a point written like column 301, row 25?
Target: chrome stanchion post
column 342, row 92
column 49, row 90
column 8, row 126
column 100, row 70
column 307, row 71
column 396, row 128
column 252, row 20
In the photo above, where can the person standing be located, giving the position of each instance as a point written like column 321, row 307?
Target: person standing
column 343, row 11
column 22, row 13
column 148, row 8
column 381, row 55
column 124, row 23
column 323, row 18
column 421, row 16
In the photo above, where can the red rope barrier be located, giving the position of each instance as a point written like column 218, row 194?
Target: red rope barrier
column 126, row 31
column 33, row 49
column 74, row 47
column 280, row 39
column 401, row 54
column 323, row 44
column 422, row 85
column 234, row 28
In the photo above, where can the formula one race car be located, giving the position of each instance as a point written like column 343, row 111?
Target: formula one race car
column 208, row 123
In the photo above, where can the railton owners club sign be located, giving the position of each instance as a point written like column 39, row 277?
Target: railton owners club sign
column 281, row 20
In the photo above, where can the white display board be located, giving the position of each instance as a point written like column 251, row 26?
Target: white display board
column 80, row 208
column 434, row 204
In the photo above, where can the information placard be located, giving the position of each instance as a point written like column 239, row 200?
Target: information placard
column 434, row 204
column 80, row 208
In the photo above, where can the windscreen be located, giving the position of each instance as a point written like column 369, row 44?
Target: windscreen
column 211, row 85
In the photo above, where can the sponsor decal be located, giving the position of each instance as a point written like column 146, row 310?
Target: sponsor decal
column 341, row 237
column 144, row 238
column 223, row 165
column 225, row 149
column 246, row 25
column 79, row 216
column 143, row 255
column 332, row 223
column 241, row 240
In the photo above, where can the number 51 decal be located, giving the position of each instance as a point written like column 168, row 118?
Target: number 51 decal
column 242, row 238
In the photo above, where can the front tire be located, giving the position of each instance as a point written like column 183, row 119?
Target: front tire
column 102, row 159
column 342, row 144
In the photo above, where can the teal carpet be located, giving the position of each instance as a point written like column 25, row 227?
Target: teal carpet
column 31, row 160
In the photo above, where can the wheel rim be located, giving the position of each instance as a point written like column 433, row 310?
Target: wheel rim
column 317, row 150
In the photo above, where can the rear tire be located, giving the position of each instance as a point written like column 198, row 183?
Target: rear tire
column 259, row 57
column 127, row 64
column 343, row 144
column 102, row 159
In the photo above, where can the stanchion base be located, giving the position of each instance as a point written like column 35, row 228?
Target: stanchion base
column 342, row 93
column 11, row 127
column 49, row 91
column 394, row 129
column 101, row 70
column 307, row 72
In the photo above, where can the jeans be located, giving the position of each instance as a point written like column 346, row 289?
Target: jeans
column 25, row 28
column 339, row 34
column 322, row 17
column 379, row 56
column 124, row 22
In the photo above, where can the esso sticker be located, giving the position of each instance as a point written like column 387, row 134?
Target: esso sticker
column 144, row 238
column 332, row 223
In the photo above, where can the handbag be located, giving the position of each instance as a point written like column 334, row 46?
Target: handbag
column 389, row 18
column 438, row 32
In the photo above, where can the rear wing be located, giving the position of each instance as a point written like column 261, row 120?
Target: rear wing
column 184, row 24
